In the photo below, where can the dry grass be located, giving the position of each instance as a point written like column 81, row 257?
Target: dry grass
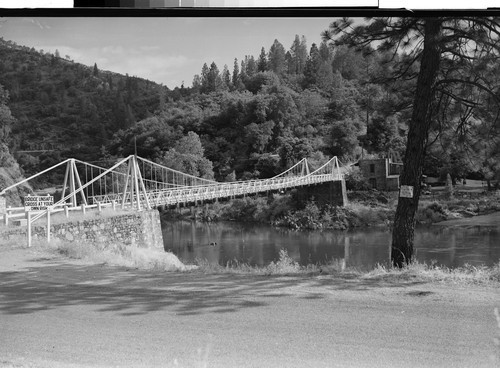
column 466, row 275
column 283, row 266
column 14, row 241
column 117, row 255
column 415, row 272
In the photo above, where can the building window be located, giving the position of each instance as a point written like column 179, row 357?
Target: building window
column 373, row 183
column 372, row 168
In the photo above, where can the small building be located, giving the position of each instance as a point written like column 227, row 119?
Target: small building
column 382, row 173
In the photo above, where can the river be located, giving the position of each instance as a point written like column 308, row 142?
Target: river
column 259, row 244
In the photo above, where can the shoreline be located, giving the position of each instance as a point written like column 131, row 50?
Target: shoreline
column 488, row 220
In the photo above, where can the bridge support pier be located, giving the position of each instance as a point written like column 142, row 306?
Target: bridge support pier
column 333, row 192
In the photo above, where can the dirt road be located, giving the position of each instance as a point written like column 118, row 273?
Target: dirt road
column 60, row 313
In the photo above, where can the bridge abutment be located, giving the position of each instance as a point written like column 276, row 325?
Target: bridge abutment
column 333, row 192
column 138, row 229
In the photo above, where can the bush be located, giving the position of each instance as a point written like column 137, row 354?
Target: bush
column 307, row 218
column 284, row 265
column 434, row 212
column 354, row 180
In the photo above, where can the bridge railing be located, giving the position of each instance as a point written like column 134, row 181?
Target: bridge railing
column 220, row 190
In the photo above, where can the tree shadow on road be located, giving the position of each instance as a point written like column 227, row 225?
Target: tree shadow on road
column 52, row 284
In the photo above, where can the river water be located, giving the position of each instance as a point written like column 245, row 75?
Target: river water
column 259, row 244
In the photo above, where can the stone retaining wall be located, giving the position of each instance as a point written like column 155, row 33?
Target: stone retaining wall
column 140, row 229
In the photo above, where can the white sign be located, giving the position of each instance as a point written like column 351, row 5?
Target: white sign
column 406, row 191
column 38, row 203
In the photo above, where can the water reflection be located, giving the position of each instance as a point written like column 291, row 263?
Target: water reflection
column 456, row 246
column 258, row 244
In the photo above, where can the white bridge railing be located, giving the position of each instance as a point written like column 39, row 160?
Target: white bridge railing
column 218, row 191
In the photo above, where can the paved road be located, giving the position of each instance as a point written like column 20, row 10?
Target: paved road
column 57, row 313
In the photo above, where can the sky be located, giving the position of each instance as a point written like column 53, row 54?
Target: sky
column 167, row 50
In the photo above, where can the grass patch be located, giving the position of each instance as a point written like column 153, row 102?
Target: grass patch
column 415, row 272
column 14, row 241
column 117, row 255
column 466, row 275
column 285, row 265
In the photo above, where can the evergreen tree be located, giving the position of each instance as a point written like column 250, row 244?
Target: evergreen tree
column 243, row 73
column 251, row 65
column 298, row 55
column 196, row 86
column 325, row 52
column 205, row 79
column 313, row 64
column 290, row 63
column 262, row 62
column 214, row 78
column 226, row 78
column 276, row 58
column 236, row 73
column 95, row 72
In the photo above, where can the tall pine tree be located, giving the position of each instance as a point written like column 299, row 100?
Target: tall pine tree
column 262, row 62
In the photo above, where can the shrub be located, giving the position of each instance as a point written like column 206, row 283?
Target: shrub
column 354, row 180
column 434, row 212
column 284, row 265
column 307, row 218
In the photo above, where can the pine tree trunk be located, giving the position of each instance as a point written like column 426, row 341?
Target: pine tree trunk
column 404, row 220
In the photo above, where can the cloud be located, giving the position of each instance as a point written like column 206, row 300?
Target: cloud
column 149, row 62
column 37, row 23
column 159, row 68
column 74, row 53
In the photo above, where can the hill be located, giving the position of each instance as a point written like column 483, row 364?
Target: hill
column 66, row 109
column 10, row 173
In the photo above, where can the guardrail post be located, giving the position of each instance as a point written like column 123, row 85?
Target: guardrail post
column 66, row 211
column 48, row 225
column 6, row 216
column 83, row 208
column 99, row 207
column 28, row 217
column 113, row 205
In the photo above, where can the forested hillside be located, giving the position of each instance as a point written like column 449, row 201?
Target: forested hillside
column 250, row 120
column 65, row 108
column 273, row 109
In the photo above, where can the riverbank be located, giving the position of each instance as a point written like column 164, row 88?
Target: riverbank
column 489, row 220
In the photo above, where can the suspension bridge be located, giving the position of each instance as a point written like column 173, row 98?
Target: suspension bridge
column 137, row 184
